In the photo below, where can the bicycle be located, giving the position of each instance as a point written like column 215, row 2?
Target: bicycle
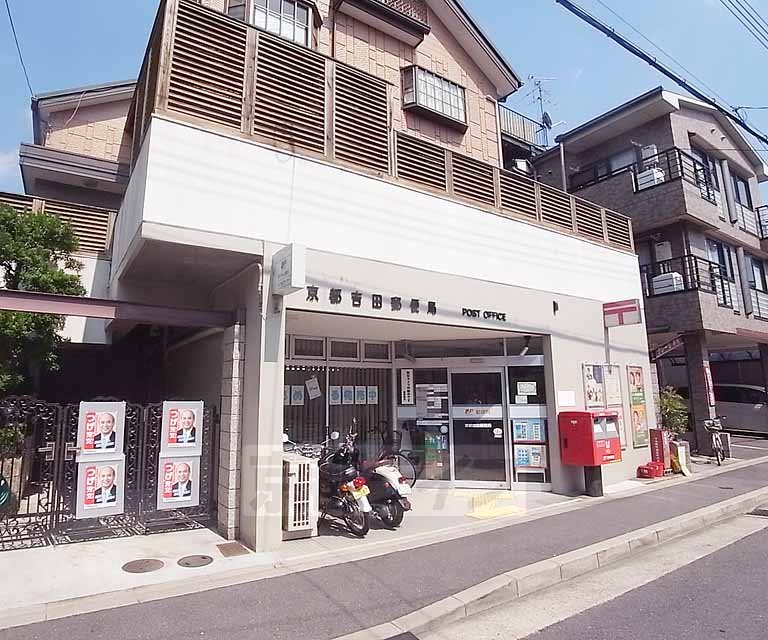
column 715, row 428
column 403, row 461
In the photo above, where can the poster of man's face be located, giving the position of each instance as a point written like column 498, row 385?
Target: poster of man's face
column 178, row 483
column 101, row 428
column 183, row 426
column 99, row 488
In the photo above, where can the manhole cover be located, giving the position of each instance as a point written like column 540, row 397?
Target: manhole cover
column 145, row 565
column 231, row 549
column 195, row 561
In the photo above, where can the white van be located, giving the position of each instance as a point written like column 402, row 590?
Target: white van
column 744, row 406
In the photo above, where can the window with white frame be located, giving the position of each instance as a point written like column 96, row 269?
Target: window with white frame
column 308, row 348
column 287, row 18
column 344, row 349
column 422, row 88
column 757, row 275
column 236, row 9
column 376, row 351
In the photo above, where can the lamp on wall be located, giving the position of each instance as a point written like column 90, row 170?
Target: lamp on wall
column 526, row 346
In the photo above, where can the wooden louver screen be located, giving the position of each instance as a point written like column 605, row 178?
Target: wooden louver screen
column 518, row 194
column 361, row 125
column 619, row 229
column 556, row 207
column 18, row 202
column 290, row 94
column 421, row 162
column 208, row 66
column 473, row 179
column 90, row 224
column 589, row 219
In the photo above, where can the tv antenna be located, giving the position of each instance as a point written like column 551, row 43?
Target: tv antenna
column 541, row 95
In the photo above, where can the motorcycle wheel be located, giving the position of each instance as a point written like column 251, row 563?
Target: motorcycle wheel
column 358, row 522
column 392, row 514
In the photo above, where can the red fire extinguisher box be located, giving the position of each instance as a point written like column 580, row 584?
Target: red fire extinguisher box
column 589, row 438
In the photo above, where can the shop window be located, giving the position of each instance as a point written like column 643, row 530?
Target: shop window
column 376, row 351
column 434, row 95
column 312, row 348
column 345, row 350
column 527, row 385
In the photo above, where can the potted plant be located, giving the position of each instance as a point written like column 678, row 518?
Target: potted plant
column 674, row 412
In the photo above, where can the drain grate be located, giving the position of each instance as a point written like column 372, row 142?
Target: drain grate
column 231, row 549
column 760, row 511
column 145, row 565
column 195, row 561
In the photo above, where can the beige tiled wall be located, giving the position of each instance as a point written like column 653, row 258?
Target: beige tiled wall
column 97, row 131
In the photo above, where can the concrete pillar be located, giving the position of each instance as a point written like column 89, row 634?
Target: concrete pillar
column 764, row 364
column 697, row 358
column 233, row 346
column 262, row 426
column 730, row 199
column 657, row 386
column 746, row 292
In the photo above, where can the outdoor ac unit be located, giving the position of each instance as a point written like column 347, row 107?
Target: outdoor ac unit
column 523, row 165
column 301, row 495
column 667, row 283
column 649, row 178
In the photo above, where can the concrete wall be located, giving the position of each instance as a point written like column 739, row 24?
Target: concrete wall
column 95, row 279
column 193, row 371
column 97, row 131
column 357, row 216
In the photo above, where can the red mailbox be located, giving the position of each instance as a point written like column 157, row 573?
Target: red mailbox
column 589, row 438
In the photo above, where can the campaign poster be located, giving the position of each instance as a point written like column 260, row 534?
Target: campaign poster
column 334, row 395
column 182, row 429
column 178, row 483
column 347, row 395
column 100, row 429
column 361, row 395
column 637, row 407
column 594, row 386
column 100, row 488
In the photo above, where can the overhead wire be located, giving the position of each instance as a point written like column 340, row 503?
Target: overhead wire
column 756, row 13
column 18, row 48
column 738, row 12
column 754, row 18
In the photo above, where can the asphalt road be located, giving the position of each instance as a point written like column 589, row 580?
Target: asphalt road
column 333, row 601
column 747, row 447
column 722, row 596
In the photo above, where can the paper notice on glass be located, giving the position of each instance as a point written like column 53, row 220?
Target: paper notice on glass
column 613, row 385
column 406, row 386
column 334, row 395
column 297, row 395
column 313, row 388
column 361, row 395
column 521, row 399
column 373, row 395
column 348, row 395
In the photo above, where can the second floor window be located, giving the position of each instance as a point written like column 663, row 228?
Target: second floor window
column 424, row 89
column 741, row 191
column 709, row 163
column 721, row 254
column 286, row 18
column 757, row 275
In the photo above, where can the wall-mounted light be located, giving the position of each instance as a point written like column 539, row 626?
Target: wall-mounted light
column 555, row 307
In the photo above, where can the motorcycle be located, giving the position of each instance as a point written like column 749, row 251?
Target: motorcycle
column 389, row 492
column 343, row 490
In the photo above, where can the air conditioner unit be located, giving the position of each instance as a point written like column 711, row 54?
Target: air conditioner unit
column 650, row 178
column 301, row 496
column 667, row 283
column 523, row 165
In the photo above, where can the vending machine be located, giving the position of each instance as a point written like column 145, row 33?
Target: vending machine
column 589, row 438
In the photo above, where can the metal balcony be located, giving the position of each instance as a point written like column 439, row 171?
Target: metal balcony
column 522, row 128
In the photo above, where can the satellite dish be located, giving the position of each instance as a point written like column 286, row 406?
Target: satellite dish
column 546, row 120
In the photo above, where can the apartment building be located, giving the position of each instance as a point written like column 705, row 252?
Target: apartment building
column 321, row 227
column 689, row 180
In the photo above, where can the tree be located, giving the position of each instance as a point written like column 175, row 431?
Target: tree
column 674, row 411
column 35, row 255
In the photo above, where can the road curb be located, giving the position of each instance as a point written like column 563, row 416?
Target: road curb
column 515, row 584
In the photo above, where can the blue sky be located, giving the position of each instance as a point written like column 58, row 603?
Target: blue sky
column 78, row 42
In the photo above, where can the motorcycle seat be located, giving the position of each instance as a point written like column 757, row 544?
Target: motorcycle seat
column 338, row 472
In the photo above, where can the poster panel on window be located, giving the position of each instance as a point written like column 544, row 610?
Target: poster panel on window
column 182, row 430
column 100, row 429
column 594, row 386
column 178, row 482
column 100, row 487
column 638, row 413
column 612, row 374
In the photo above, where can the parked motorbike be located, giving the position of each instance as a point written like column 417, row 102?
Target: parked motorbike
column 389, row 492
column 343, row 490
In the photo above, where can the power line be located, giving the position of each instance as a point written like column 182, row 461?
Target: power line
column 754, row 17
column 666, row 53
column 756, row 13
column 738, row 13
column 18, row 48
column 659, row 66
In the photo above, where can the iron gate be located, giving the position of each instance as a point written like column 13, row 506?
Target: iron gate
column 38, row 476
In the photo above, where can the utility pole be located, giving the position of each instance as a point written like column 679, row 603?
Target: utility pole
column 639, row 53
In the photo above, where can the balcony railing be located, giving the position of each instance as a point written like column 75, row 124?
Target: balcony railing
column 522, row 128
column 686, row 273
column 667, row 166
column 215, row 71
column 92, row 225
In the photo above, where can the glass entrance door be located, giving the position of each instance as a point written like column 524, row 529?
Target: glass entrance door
column 478, row 419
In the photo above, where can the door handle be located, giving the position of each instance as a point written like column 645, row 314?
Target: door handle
column 49, row 450
column 70, row 449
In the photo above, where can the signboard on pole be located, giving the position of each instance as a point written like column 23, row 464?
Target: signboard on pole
column 623, row 312
column 289, row 270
